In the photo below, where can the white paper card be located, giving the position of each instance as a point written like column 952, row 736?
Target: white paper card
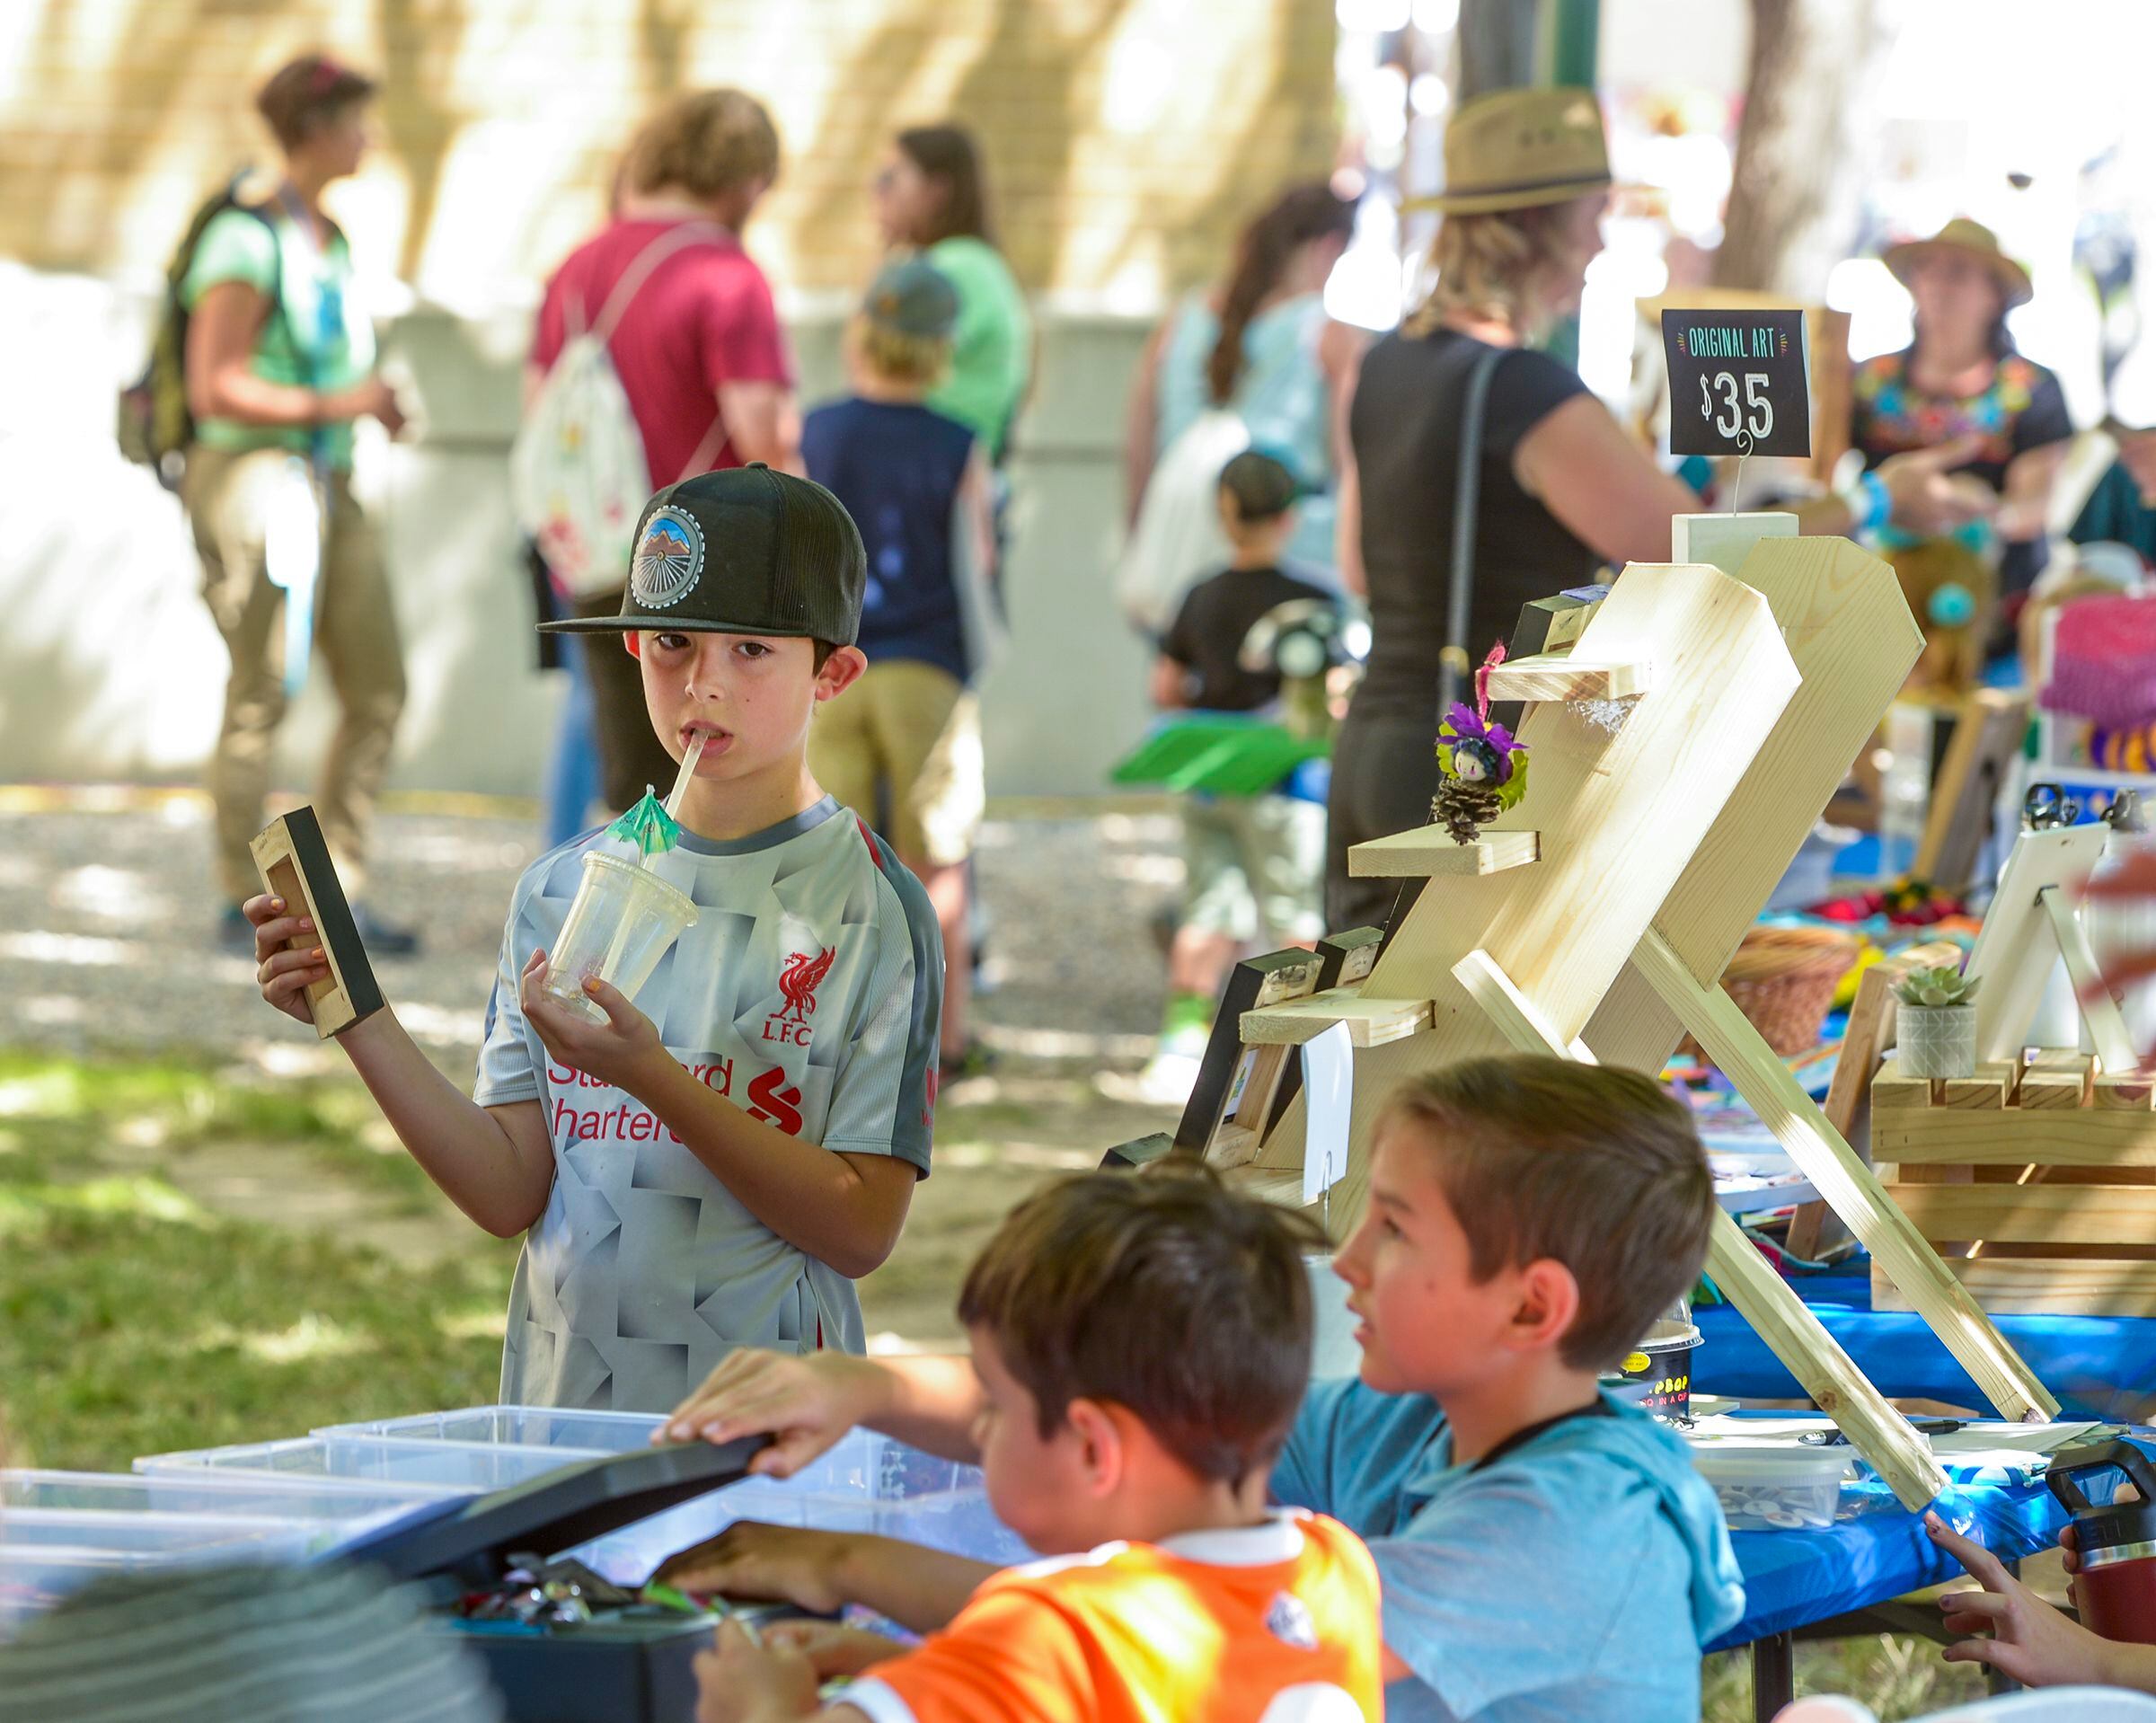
column 1328, row 1093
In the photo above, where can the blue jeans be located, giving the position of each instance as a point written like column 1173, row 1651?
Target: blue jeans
column 572, row 774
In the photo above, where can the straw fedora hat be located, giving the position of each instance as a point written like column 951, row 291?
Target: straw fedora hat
column 1970, row 239
column 1519, row 149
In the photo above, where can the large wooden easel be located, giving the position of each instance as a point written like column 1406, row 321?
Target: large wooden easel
column 1593, row 919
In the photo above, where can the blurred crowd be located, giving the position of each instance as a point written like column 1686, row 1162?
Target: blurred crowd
column 1325, row 530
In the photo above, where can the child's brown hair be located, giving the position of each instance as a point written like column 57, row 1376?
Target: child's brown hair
column 1586, row 1166
column 1164, row 1292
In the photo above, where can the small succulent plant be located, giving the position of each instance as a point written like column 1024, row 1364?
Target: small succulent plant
column 1944, row 985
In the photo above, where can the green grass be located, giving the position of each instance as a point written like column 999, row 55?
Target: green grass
column 1897, row 1677
column 134, row 1320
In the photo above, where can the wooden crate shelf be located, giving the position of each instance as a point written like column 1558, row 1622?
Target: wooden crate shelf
column 2037, row 1183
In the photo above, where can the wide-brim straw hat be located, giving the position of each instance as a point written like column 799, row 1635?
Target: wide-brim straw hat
column 1521, row 150
column 1965, row 238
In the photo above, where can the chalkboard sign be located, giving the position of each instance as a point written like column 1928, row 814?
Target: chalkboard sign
column 1739, row 382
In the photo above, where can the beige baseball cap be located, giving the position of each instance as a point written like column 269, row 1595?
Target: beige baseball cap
column 1520, row 149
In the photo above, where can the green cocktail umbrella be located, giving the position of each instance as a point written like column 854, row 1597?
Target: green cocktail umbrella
column 649, row 825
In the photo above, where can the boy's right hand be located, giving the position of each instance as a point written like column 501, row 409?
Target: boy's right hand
column 783, row 1564
column 285, row 975
column 804, row 1404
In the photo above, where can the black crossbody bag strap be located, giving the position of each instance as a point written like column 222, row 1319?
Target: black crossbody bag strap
column 1454, row 664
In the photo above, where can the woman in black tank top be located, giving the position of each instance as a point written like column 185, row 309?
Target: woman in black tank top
column 1561, row 489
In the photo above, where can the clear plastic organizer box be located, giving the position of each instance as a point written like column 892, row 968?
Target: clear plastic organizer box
column 447, row 1468
column 866, row 1483
column 514, row 1426
column 46, row 1553
column 1774, row 1487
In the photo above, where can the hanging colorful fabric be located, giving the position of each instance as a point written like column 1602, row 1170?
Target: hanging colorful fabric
column 1483, row 771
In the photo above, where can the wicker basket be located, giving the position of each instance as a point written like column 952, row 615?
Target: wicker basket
column 1783, row 979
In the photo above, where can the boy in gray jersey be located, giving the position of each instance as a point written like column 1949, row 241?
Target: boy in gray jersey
column 716, row 1164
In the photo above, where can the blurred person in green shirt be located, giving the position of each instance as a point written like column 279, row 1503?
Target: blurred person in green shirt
column 281, row 365
column 931, row 192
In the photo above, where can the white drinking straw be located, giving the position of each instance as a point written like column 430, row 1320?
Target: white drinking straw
column 688, row 770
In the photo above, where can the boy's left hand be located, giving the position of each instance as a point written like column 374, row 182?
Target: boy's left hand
column 833, row 1651
column 624, row 1050
column 739, row 1681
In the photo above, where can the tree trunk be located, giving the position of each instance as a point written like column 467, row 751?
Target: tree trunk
column 1793, row 196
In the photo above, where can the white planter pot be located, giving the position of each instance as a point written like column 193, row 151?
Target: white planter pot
column 1936, row 1040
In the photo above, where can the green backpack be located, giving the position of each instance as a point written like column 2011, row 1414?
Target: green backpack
column 156, row 427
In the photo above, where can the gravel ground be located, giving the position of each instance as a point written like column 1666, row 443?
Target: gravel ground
column 108, row 930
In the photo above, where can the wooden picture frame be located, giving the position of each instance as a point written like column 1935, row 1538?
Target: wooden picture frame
column 292, row 859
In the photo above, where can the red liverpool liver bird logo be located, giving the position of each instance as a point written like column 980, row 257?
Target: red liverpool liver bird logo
column 799, row 978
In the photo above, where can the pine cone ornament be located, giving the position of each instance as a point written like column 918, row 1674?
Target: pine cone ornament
column 1461, row 807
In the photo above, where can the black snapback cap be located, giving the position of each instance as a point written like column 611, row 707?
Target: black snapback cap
column 742, row 550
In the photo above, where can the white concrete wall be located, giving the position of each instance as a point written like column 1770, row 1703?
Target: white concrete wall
column 110, row 670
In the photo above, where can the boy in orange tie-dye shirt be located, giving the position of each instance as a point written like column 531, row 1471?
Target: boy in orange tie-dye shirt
column 1140, row 1344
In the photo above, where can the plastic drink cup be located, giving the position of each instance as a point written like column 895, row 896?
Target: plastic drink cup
column 621, row 921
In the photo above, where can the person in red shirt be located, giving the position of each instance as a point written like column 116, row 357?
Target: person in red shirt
column 1139, row 1346
column 698, row 348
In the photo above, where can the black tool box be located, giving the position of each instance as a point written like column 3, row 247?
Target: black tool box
column 631, row 1662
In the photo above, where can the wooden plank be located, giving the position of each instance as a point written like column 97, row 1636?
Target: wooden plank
column 1233, row 1145
column 2030, row 1287
column 1725, row 541
column 1518, row 1017
column 1986, row 740
column 2032, row 1214
column 2080, row 1136
column 1570, row 675
column 292, row 859
column 1788, row 1326
column 1848, row 1184
column 1985, row 1091
column 1892, row 1092
column 2042, row 1090
column 1815, row 1228
column 1371, row 1022
column 1267, row 1184
column 1795, row 1335
column 1427, row 852
column 2132, row 1092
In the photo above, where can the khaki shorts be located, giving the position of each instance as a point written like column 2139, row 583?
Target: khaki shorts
column 1252, row 865
column 907, row 739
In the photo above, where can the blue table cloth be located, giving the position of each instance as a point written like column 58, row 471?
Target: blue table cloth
column 2099, row 1367
column 1794, row 1578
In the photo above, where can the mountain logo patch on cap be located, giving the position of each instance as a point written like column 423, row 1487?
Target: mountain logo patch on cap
column 669, row 557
